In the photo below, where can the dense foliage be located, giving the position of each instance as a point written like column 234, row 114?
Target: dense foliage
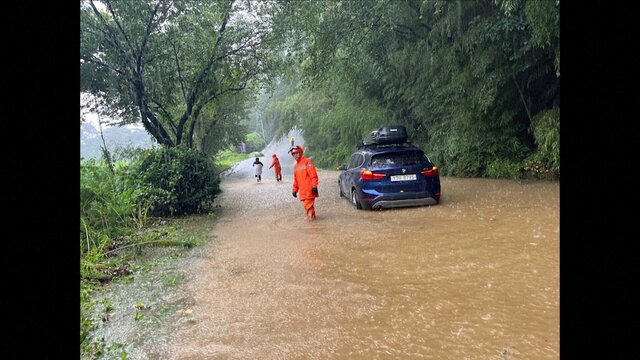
column 110, row 205
column 477, row 83
column 179, row 181
column 254, row 141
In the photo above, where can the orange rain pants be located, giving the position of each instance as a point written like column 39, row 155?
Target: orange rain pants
column 310, row 211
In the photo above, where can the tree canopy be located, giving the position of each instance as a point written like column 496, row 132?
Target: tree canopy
column 471, row 80
column 172, row 65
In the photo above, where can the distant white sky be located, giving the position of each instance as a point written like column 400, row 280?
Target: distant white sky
column 92, row 118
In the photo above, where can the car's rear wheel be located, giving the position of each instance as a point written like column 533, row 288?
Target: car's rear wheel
column 354, row 199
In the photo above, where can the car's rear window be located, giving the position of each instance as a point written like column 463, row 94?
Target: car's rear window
column 402, row 158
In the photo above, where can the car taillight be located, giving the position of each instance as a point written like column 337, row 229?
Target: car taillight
column 431, row 172
column 370, row 175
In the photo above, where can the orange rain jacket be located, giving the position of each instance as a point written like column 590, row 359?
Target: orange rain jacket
column 275, row 162
column 305, row 177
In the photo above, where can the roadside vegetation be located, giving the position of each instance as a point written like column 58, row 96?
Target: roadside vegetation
column 131, row 206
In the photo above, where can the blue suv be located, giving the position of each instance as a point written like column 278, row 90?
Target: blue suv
column 389, row 175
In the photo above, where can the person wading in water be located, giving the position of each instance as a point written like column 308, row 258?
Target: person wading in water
column 305, row 181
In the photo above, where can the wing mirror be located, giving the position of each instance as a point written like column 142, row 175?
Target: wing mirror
column 342, row 167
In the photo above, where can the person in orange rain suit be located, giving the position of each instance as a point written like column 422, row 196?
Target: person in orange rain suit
column 278, row 169
column 305, row 181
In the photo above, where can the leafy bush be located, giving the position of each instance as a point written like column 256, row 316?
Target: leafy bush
column 179, row 180
column 546, row 130
column 536, row 168
column 255, row 141
column 503, row 169
column 465, row 164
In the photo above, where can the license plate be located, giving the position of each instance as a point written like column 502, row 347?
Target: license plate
column 403, row 177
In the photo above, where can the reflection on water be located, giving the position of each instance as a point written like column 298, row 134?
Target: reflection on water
column 475, row 277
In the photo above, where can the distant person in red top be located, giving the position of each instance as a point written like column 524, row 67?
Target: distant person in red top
column 278, row 169
column 305, row 181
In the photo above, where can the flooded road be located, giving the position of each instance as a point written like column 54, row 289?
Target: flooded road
column 475, row 277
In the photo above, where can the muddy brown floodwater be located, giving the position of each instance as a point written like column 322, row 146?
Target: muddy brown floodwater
column 474, row 277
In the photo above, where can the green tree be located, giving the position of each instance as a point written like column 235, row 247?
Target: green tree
column 164, row 62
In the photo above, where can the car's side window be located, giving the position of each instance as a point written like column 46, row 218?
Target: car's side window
column 351, row 161
column 356, row 160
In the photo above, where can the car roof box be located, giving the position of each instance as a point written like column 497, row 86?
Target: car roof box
column 391, row 134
